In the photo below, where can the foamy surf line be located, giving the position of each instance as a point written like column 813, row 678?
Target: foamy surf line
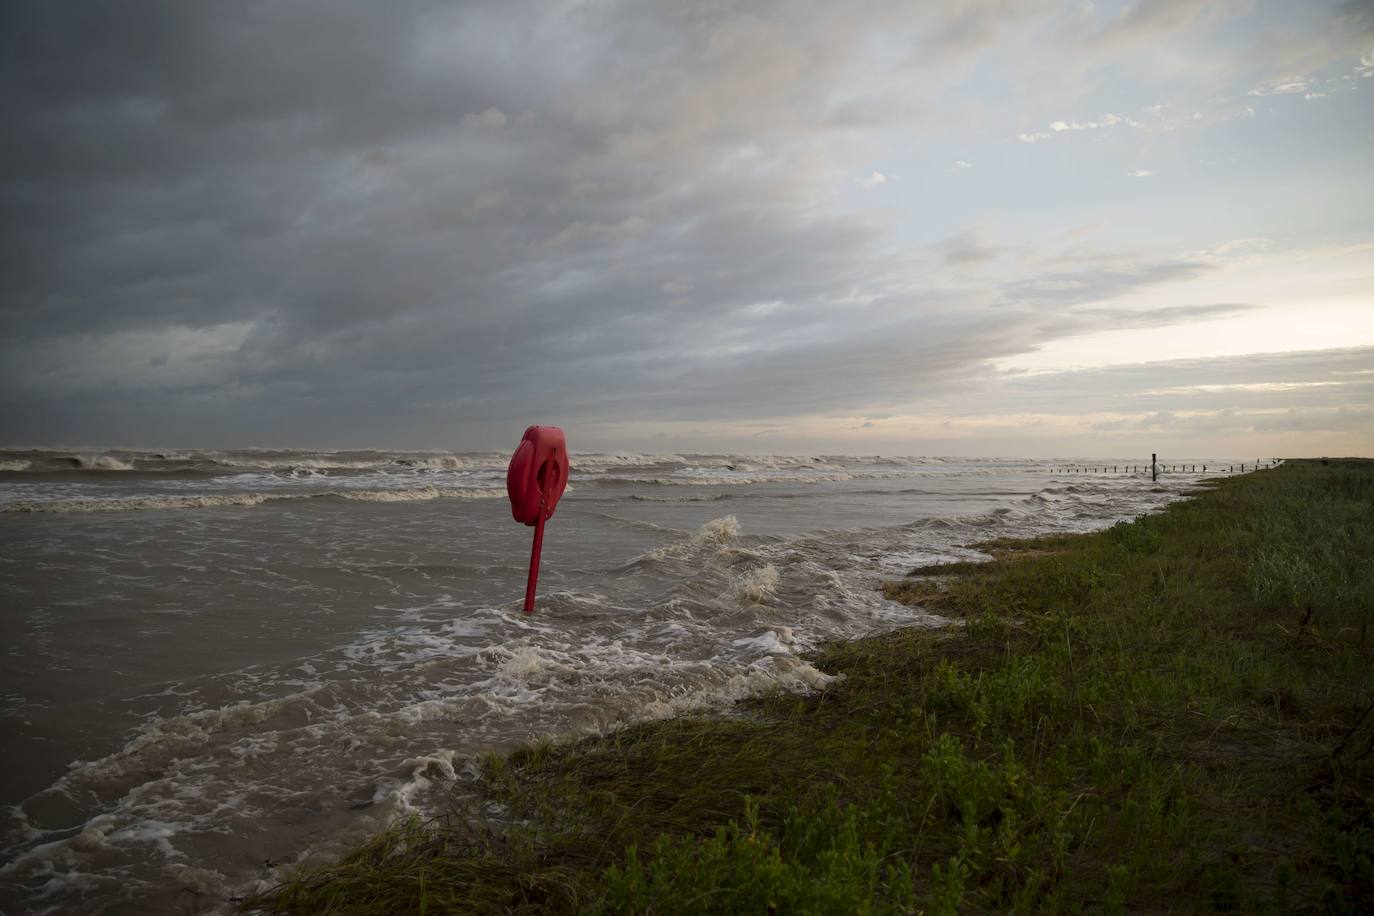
column 733, row 480
column 48, row 460
column 230, row 500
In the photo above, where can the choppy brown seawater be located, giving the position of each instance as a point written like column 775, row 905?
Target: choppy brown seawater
column 217, row 663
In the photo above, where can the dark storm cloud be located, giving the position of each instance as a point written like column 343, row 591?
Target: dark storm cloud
column 364, row 206
column 311, row 218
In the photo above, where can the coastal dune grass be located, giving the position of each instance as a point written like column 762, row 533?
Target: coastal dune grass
column 1170, row 715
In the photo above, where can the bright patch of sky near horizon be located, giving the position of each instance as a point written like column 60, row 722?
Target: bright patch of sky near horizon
column 1312, row 302
column 1037, row 228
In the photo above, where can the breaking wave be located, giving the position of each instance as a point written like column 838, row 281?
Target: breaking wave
column 736, row 480
column 759, row 585
column 717, row 531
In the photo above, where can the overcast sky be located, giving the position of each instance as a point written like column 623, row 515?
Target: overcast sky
column 989, row 227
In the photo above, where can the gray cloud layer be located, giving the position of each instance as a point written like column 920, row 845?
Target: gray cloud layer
column 295, row 221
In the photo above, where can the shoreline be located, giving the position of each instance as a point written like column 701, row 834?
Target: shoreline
column 1169, row 712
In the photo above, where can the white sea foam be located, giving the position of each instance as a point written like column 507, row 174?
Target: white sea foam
column 14, row 465
column 729, row 478
column 758, row 585
column 780, row 673
column 446, row 462
column 713, row 477
column 526, row 662
column 103, row 463
column 337, row 464
column 225, row 500
column 773, row 642
column 717, row 531
column 587, row 461
column 179, row 734
column 418, row 494
column 119, row 504
column 422, row 772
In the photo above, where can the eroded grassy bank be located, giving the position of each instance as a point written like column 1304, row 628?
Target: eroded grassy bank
column 1174, row 714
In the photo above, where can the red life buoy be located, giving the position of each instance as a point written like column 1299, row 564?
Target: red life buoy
column 535, row 479
column 538, row 474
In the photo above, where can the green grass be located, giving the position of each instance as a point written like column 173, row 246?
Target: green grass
column 1171, row 715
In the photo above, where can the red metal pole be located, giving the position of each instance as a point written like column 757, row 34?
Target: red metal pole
column 534, row 562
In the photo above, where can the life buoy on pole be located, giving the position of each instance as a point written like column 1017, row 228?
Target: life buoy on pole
column 535, row 479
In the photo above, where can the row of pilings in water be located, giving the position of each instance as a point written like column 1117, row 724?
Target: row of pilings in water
column 1168, row 468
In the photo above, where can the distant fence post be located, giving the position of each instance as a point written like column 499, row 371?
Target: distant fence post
column 1154, row 468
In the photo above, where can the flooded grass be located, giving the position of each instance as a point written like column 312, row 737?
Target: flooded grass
column 1173, row 714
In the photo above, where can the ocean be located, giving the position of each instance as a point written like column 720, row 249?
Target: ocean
column 219, row 663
